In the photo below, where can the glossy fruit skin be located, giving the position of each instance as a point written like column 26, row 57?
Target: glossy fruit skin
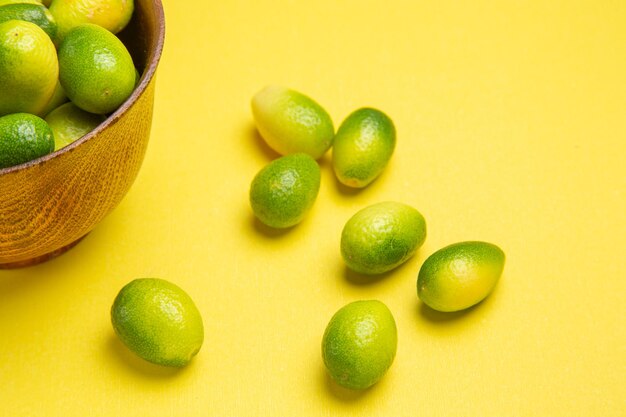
column 291, row 122
column 34, row 13
column 23, row 137
column 58, row 97
column 5, row 2
column 95, row 69
column 28, row 68
column 363, row 147
column 283, row 192
column 112, row 15
column 359, row 344
column 460, row 275
column 158, row 321
column 381, row 237
column 70, row 123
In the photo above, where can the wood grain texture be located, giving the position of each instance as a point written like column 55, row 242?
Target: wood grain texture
column 48, row 204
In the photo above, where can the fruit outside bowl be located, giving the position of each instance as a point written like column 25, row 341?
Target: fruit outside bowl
column 47, row 205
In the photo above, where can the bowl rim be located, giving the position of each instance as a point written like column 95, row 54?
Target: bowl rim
column 155, row 50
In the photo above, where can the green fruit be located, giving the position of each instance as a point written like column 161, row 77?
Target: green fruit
column 112, row 15
column 29, row 69
column 34, row 13
column 284, row 190
column 460, row 275
column 58, row 98
column 381, row 237
column 359, row 344
column 23, row 137
column 158, row 321
column 363, row 146
column 95, row 69
column 291, row 122
column 70, row 123
column 137, row 77
column 5, row 2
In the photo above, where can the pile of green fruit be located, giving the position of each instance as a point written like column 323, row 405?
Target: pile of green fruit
column 62, row 70
column 359, row 343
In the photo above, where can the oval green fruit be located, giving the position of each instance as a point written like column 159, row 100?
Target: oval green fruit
column 58, row 98
column 284, row 190
column 29, row 69
column 158, row 321
column 381, row 237
column 23, row 137
column 34, row 13
column 460, row 275
column 291, row 122
column 112, row 15
column 95, row 69
column 5, row 2
column 363, row 146
column 70, row 123
column 359, row 344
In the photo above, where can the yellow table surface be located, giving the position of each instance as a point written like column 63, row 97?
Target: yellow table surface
column 511, row 120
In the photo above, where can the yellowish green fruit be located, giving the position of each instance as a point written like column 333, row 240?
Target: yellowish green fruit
column 70, row 123
column 28, row 68
column 381, row 237
column 359, row 344
column 460, row 275
column 158, row 321
column 34, row 13
column 291, row 122
column 283, row 192
column 58, row 98
column 5, row 2
column 363, row 146
column 23, row 137
column 95, row 69
column 137, row 77
column 112, row 15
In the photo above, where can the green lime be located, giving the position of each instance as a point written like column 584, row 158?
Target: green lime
column 28, row 68
column 359, row 344
column 284, row 190
column 34, row 13
column 95, row 69
column 381, row 237
column 137, row 77
column 23, row 137
column 291, row 122
column 58, row 98
column 112, row 15
column 460, row 275
column 70, row 123
column 5, row 2
column 158, row 321
column 363, row 146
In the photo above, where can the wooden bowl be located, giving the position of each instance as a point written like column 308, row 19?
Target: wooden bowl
column 47, row 205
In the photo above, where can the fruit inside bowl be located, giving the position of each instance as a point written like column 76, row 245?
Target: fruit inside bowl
column 49, row 202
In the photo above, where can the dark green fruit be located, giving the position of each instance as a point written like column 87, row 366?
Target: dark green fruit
column 284, row 191
column 23, row 137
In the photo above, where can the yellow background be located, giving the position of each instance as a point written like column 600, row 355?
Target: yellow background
column 511, row 120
